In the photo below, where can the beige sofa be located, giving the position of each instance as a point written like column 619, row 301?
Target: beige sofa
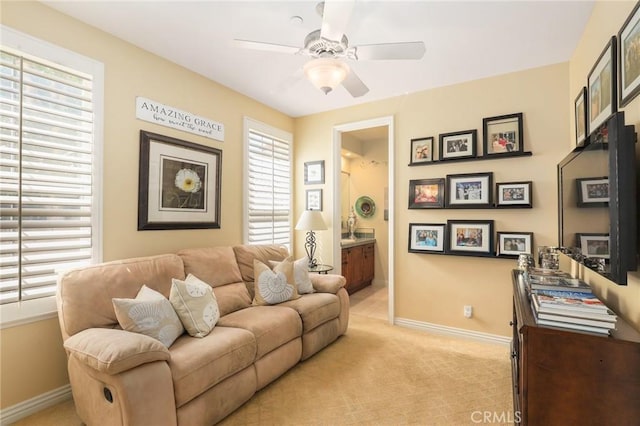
column 124, row 378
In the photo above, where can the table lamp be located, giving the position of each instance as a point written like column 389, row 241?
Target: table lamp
column 311, row 220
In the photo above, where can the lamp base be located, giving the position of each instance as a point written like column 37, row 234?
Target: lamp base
column 310, row 248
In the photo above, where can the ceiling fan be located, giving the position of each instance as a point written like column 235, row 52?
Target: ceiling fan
column 329, row 47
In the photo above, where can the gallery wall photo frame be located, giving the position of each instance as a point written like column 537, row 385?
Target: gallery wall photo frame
column 628, row 60
column 313, row 199
column 470, row 237
column 593, row 244
column 601, row 87
column 593, row 191
column 469, row 190
column 503, row 135
column 314, row 172
column 421, row 151
column 179, row 184
column 426, row 193
column 580, row 116
column 427, row 238
column 457, row 145
column 513, row 194
column 512, row 244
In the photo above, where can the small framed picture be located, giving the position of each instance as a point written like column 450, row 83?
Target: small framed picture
column 581, row 117
column 593, row 191
column 426, row 193
column 629, row 61
column 472, row 237
column 426, row 237
column 314, row 199
column 511, row 244
column 601, row 87
column 313, row 172
column 593, row 245
column 469, row 190
column 458, row 145
column 502, row 134
column 513, row 194
column 421, row 151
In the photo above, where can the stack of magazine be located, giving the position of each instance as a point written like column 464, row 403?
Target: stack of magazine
column 561, row 301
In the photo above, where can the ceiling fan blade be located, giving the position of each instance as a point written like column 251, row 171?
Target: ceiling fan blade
column 335, row 18
column 270, row 47
column 409, row 50
column 354, row 85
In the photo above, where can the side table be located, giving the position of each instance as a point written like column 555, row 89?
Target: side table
column 321, row 269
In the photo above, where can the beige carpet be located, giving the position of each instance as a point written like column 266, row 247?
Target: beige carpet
column 375, row 374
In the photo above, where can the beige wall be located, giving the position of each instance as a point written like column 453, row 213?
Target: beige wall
column 129, row 72
column 606, row 20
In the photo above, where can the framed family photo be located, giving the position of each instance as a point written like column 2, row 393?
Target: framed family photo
column 502, row 134
column 426, row 193
column 512, row 244
column 629, row 57
column 471, row 237
column 427, row 237
column 314, row 172
column 421, row 151
column 601, row 87
column 458, row 144
column 581, row 117
column 593, row 245
column 178, row 185
column 513, row 194
column 314, row 199
column 593, row 191
column 469, row 190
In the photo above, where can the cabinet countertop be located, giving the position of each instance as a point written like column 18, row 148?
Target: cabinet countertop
column 357, row 242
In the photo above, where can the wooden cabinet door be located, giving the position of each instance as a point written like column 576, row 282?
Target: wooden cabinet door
column 368, row 262
column 355, row 260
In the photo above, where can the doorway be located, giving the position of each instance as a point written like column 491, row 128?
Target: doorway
column 338, row 132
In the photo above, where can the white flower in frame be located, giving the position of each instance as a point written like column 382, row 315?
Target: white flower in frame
column 188, row 180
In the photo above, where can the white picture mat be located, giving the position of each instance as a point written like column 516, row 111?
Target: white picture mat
column 525, row 249
column 525, row 200
column 484, row 228
column 458, row 198
column 416, row 244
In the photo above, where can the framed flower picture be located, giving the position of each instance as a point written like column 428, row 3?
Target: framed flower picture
column 601, row 87
column 314, row 172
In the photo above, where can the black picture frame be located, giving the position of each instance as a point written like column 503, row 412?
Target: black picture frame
column 580, row 116
column 427, row 238
column 313, row 199
column 628, row 64
column 514, row 194
column 594, row 244
column 456, row 145
column 314, row 172
column 469, row 190
column 503, row 135
column 470, row 237
column 593, row 191
column 179, row 184
column 602, row 87
column 512, row 244
column 421, row 151
column 426, row 193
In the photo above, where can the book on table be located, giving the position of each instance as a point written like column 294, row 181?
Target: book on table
column 573, row 311
column 609, row 323
column 580, row 327
column 560, row 283
column 569, row 299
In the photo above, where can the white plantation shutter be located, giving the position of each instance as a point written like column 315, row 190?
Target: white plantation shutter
column 47, row 221
column 268, row 189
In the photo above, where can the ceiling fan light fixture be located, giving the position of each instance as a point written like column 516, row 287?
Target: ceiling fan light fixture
column 326, row 73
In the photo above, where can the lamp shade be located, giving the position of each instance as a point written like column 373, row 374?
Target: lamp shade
column 311, row 220
column 326, row 73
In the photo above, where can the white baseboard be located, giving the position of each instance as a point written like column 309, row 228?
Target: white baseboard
column 26, row 408
column 452, row 331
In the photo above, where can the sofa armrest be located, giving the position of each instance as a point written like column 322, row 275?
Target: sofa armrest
column 327, row 283
column 113, row 351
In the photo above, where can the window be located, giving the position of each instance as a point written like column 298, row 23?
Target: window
column 49, row 165
column 267, row 185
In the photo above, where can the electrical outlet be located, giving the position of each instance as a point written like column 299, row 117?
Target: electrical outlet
column 468, row 311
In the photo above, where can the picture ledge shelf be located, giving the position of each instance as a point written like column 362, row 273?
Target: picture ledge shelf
column 482, row 157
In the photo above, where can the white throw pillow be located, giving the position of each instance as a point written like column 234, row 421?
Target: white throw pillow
column 195, row 304
column 151, row 314
column 275, row 286
column 300, row 275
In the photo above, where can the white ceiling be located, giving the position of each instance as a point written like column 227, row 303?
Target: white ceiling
column 464, row 41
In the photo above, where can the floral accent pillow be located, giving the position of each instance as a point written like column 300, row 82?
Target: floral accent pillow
column 151, row 314
column 195, row 304
column 274, row 286
column 300, row 275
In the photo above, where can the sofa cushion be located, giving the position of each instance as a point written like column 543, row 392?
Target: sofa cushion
column 274, row 286
column 300, row 274
column 195, row 304
column 264, row 253
column 199, row 364
column 272, row 326
column 315, row 309
column 151, row 314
